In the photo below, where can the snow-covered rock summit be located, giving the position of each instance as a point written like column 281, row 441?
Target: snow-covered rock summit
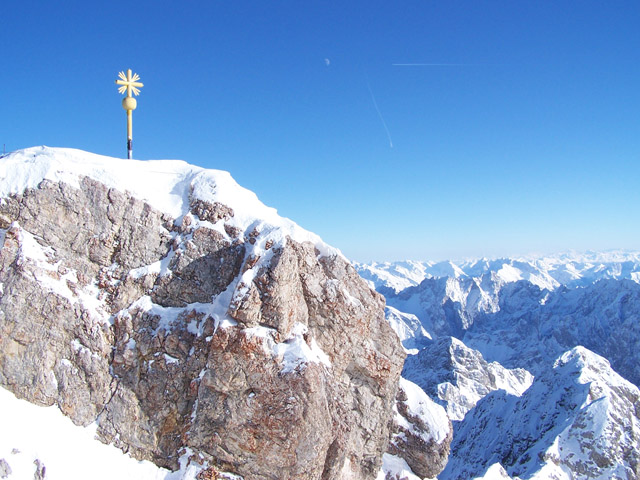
column 169, row 186
column 579, row 420
column 189, row 322
column 457, row 376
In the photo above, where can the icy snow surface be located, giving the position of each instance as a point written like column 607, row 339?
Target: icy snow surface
column 396, row 468
column 294, row 352
column 408, row 328
column 50, row 279
column 430, row 413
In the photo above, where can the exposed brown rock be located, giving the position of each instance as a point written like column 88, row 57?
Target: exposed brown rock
column 84, row 324
column 416, row 443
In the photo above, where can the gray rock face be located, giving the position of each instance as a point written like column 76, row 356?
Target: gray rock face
column 422, row 431
column 272, row 363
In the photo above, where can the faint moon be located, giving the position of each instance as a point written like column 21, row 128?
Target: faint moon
column 327, row 62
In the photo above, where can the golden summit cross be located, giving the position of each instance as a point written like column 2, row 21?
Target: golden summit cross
column 129, row 83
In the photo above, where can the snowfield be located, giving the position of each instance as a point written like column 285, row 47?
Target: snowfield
column 41, row 439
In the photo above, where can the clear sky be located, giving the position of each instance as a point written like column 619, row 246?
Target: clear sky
column 515, row 130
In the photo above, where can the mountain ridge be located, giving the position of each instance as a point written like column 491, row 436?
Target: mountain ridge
column 191, row 324
column 499, row 345
column 546, row 271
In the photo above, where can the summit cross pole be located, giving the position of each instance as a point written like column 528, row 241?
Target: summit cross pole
column 129, row 84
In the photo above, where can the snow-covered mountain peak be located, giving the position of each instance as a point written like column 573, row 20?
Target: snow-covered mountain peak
column 189, row 322
column 457, row 376
column 593, row 370
column 577, row 420
column 546, row 272
column 170, row 186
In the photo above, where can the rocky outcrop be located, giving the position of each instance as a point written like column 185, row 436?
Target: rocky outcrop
column 422, row 431
column 260, row 353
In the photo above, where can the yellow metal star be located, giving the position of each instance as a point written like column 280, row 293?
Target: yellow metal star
column 129, row 83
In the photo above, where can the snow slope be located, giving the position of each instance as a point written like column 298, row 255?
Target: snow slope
column 41, row 439
column 579, row 420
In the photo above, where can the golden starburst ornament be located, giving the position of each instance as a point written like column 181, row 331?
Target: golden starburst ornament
column 129, row 84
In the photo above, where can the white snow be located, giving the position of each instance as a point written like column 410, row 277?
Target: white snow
column 394, row 275
column 154, row 268
column 459, row 377
column 168, row 316
column 396, row 468
column 51, row 280
column 430, row 413
column 167, row 185
column 580, row 416
column 295, row 351
column 509, row 274
column 170, row 360
column 497, row 472
column 68, row 452
column 407, row 326
column 546, row 272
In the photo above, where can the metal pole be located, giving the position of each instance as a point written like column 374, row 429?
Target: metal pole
column 129, row 133
column 129, row 85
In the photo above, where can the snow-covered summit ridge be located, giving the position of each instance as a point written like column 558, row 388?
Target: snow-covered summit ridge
column 167, row 185
column 570, row 269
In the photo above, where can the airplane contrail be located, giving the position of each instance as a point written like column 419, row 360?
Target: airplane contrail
column 375, row 104
column 433, row 64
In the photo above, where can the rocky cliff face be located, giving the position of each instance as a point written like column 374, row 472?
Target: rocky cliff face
column 212, row 327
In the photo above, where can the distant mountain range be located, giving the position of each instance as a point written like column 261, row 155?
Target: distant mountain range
column 568, row 269
column 535, row 360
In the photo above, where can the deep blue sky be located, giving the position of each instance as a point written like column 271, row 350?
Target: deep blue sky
column 529, row 143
